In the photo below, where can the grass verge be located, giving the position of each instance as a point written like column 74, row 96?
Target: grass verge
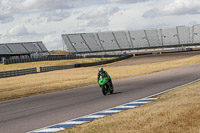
column 176, row 111
column 15, row 87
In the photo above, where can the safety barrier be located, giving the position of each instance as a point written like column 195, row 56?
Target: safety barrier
column 99, row 56
column 5, row 74
column 53, row 57
column 48, row 58
column 60, row 67
column 103, row 62
column 53, row 68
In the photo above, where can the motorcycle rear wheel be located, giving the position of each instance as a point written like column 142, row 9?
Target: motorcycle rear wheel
column 111, row 92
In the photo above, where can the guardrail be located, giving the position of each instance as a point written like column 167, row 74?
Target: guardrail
column 103, row 62
column 49, row 58
column 13, row 73
column 5, row 74
column 53, row 57
column 61, row 67
column 53, row 68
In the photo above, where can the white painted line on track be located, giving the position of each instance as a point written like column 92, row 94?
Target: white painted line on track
column 139, row 102
column 123, row 106
column 94, row 116
column 73, row 122
column 46, row 130
column 110, row 111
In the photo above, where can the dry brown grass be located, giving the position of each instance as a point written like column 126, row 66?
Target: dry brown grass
column 27, row 85
column 177, row 111
column 59, row 52
column 48, row 63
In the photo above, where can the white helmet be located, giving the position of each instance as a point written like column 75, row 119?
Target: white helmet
column 100, row 69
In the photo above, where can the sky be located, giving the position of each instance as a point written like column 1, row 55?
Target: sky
column 46, row 20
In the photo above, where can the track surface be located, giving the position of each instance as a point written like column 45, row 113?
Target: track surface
column 26, row 114
column 156, row 58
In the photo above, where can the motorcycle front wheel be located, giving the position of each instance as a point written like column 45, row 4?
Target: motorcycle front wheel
column 111, row 92
column 104, row 90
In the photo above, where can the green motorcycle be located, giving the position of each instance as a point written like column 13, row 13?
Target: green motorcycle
column 105, row 85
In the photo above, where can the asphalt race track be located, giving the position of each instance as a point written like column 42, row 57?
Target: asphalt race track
column 153, row 58
column 30, row 113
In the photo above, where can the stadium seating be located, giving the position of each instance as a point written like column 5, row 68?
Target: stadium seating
column 169, row 36
column 139, row 39
column 196, row 34
column 22, row 50
column 122, row 39
column 108, row 41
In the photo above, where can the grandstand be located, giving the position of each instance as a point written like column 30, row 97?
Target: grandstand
column 22, row 50
column 179, row 36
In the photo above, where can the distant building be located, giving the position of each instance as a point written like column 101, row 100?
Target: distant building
column 22, row 50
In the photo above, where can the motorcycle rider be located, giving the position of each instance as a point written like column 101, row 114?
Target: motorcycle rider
column 104, row 74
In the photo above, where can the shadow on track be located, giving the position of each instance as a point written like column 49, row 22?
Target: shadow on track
column 115, row 93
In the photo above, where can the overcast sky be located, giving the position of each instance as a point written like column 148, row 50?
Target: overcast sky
column 46, row 20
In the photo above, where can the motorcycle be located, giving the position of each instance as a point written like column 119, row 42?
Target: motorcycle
column 105, row 85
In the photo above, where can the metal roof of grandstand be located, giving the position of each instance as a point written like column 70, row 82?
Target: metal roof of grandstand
column 22, row 48
column 134, row 39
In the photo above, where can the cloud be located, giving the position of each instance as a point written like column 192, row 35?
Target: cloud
column 178, row 7
column 98, row 17
column 53, row 41
column 57, row 15
column 98, row 22
column 49, row 5
column 56, row 8
column 19, row 30
column 182, row 7
column 193, row 23
column 126, row 1
column 8, row 8
column 99, row 12
column 44, row 5
column 5, row 18
column 152, row 13
column 6, row 11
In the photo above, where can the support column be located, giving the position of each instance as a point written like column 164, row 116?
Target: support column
column 130, row 39
column 71, row 43
column 145, row 32
column 116, row 40
column 100, row 41
column 192, row 34
column 161, row 33
column 85, row 43
column 178, row 37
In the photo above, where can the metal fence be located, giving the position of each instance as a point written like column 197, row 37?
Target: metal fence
column 103, row 62
column 5, row 74
column 48, row 58
column 101, row 56
column 61, row 67
column 53, row 68
column 129, row 40
column 53, row 57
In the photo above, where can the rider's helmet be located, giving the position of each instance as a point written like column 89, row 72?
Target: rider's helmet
column 100, row 69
